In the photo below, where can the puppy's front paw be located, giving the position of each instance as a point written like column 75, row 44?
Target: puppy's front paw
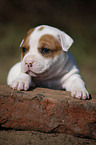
column 22, row 82
column 80, row 93
column 19, row 85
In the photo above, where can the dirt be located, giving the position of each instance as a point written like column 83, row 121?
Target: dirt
column 12, row 137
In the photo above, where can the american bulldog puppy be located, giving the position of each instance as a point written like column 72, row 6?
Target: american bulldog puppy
column 46, row 62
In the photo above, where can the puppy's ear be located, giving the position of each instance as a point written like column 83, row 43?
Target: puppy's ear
column 21, row 43
column 66, row 41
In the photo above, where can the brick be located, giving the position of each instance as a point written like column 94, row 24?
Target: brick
column 47, row 110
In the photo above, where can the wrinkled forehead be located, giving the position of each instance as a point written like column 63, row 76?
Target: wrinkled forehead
column 34, row 35
column 43, row 30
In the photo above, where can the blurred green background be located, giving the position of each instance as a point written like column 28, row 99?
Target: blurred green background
column 76, row 17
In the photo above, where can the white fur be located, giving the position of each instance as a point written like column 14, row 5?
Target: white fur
column 60, row 72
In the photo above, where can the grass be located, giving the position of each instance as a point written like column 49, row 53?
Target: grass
column 83, row 50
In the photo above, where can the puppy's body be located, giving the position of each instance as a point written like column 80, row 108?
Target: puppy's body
column 46, row 62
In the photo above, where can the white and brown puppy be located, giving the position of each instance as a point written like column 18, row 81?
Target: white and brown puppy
column 46, row 62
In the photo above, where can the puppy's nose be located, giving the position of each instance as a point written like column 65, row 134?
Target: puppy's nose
column 28, row 64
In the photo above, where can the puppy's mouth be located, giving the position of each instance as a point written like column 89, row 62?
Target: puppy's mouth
column 31, row 73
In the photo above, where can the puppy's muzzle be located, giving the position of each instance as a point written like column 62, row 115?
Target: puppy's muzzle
column 28, row 66
column 29, row 62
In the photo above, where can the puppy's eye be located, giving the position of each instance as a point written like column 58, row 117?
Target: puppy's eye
column 45, row 50
column 24, row 49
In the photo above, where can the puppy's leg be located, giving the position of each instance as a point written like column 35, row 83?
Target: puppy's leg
column 76, row 86
column 19, row 80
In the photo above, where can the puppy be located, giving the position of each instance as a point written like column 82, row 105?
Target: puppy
column 46, row 62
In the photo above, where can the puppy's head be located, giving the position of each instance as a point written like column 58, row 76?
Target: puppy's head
column 42, row 47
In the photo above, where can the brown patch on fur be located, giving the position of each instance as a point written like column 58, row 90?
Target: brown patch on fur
column 41, row 28
column 51, row 43
column 25, row 43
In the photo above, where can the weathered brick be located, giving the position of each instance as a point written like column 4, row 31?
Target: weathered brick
column 47, row 110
